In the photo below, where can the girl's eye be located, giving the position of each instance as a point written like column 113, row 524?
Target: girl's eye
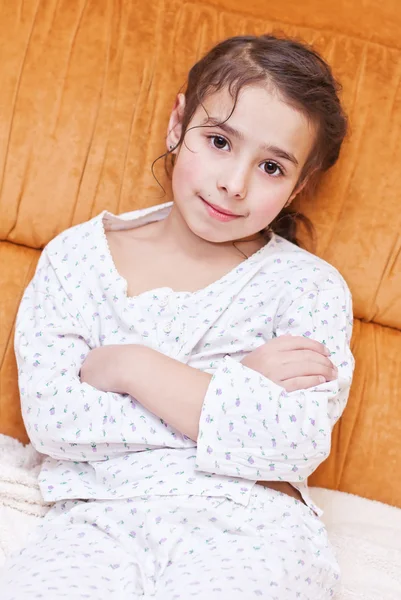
column 272, row 169
column 218, row 142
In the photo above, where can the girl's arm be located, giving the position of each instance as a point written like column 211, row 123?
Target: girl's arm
column 176, row 393
column 65, row 418
column 166, row 387
column 245, row 424
column 252, row 428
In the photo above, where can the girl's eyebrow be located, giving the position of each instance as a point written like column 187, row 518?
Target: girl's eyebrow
column 213, row 122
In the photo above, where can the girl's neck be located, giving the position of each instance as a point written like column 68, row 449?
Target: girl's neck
column 177, row 235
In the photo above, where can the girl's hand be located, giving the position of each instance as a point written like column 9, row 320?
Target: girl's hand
column 293, row 362
column 104, row 368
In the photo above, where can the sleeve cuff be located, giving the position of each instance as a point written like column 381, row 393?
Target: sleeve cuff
column 232, row 430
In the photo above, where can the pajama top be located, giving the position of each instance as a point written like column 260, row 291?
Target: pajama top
column 106, row 445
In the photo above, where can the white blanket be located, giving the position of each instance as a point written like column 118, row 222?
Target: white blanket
column 365, row 534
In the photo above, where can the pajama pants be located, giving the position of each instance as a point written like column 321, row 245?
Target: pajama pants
column 175, row 548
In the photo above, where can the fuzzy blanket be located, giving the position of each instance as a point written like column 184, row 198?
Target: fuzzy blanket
column 365, row 534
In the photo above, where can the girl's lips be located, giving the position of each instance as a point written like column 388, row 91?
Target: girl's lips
column 219, row 213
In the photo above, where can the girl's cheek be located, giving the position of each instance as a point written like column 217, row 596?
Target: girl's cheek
column 184, row 174
column 268, row 208
column 191, row 167
column 182, row 168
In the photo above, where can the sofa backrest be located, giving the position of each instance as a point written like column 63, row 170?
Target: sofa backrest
column 86, row 90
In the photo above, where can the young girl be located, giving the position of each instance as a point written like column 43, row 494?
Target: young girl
column 182, row 366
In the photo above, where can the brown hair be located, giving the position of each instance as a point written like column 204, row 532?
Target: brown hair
column 301, row 77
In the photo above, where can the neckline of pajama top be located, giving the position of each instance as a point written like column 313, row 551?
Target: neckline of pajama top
column 105, row 445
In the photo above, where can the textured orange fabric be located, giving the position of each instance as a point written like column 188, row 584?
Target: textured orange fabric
column 87, row 87
column 365, row 457
column 17, row 265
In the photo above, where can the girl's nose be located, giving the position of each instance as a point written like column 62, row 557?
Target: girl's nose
column 233, row 183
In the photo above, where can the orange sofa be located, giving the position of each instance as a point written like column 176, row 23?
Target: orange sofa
column 86, row 89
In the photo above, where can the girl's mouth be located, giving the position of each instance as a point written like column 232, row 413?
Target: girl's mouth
column 219, row 213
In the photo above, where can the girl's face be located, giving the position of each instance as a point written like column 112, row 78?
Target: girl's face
column 248, row 166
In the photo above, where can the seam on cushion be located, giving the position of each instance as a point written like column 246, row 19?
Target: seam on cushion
column 61, row 96
column 101, row 167
column 7, row 145
column 346, row 182
column 68, row 61
column 341, row 464
column 341, row 467
column 391, row 260
column 11, row 332
column 19, row 200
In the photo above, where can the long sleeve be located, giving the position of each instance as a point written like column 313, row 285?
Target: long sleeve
column 252, row 428
column 64, row 418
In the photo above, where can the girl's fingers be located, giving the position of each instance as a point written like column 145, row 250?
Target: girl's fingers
column 301, row 383
column 289, row 342
column 308, row 356
column 306, row 369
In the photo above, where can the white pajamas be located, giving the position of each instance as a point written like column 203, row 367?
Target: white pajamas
column 107, row 448
column 204, row 548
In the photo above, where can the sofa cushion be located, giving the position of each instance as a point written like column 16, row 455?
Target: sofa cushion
column 17, row 267
column 367, row 538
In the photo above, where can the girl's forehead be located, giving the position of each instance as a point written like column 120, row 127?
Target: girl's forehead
column 260, row 117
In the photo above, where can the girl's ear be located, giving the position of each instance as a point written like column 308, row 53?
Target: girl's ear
column 296, row 191
column 174, row 129
column 299, row 188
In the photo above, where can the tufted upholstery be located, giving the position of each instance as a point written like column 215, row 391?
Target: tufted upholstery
column 86, row 89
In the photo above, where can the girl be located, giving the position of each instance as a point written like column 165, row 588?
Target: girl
column 182, row 366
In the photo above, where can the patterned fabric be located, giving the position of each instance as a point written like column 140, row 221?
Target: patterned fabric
column 206, row 548
column 105, row 445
